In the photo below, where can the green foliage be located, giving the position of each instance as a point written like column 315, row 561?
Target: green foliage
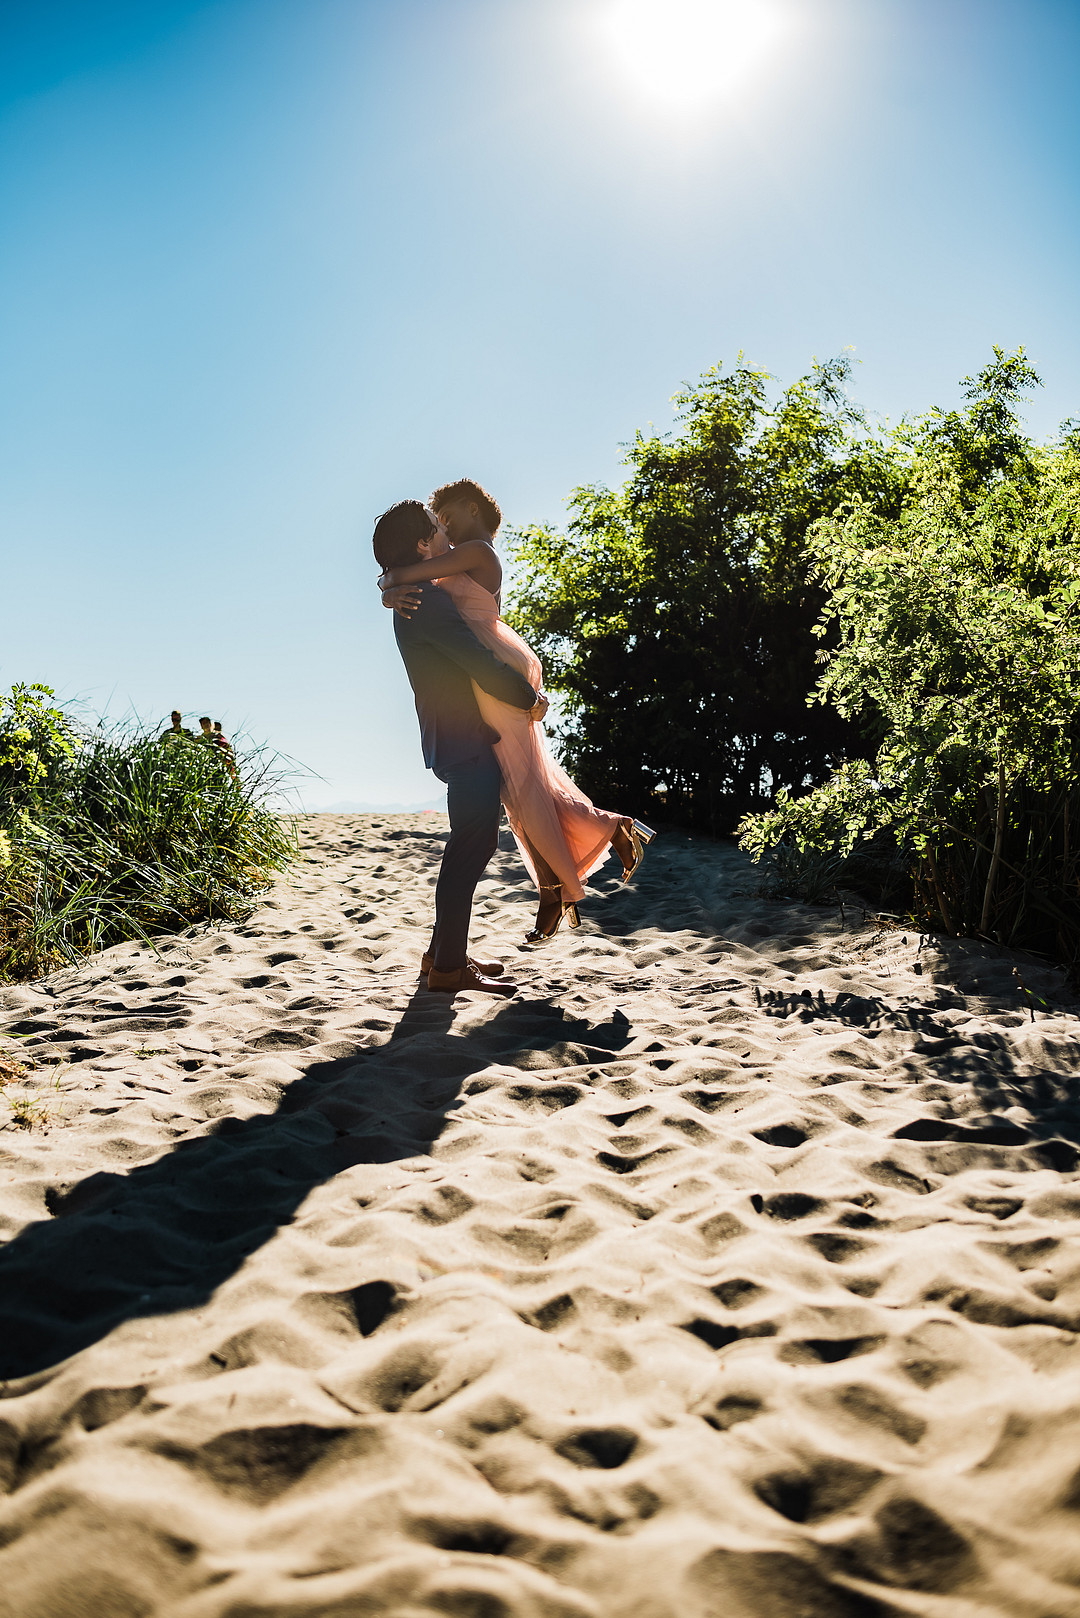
column 110, row 836
column 34, row 741
column 955, row 626
column 675, row 616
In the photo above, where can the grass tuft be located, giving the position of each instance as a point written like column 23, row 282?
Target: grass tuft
column 112, row 835
column 11, row 1070
column 33, row 1111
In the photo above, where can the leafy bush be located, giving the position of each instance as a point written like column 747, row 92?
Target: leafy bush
column 675, row 616
column 807, row 851
column 106, row 835
column 957, row 625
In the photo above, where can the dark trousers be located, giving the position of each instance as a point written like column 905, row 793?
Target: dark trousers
column 472, row 802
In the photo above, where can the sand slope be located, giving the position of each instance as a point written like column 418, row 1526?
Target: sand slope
column 731, row 1271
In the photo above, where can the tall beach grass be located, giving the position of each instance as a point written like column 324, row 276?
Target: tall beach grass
column 108, row 834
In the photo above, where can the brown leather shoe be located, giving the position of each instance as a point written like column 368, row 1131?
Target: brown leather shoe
column 486, row 969
column 468, row 981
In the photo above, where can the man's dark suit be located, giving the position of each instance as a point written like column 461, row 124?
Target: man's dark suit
column 442, row 658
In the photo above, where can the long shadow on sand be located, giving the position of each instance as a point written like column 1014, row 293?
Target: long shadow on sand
column 166, row 1235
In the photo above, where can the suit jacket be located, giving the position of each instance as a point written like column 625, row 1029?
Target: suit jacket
column 442, row 657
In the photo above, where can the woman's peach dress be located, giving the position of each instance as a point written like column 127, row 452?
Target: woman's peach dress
column 544, row 807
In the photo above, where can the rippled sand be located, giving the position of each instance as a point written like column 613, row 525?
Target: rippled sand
column 730, row 1271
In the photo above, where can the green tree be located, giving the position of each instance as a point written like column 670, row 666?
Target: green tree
column 675, row 615
column 956, row 628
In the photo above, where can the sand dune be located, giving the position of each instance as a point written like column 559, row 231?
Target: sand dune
column 730, row 1271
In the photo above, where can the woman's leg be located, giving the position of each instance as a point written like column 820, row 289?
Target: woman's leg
column 628, row 840
column 622, row 844
column 545, row 875
column 551, row 900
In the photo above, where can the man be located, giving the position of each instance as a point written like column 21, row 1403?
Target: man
column 176, row 732
column 442, row 658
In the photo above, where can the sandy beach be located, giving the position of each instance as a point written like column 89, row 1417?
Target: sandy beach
column 732, row 1270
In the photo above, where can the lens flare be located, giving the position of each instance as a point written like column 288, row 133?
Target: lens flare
column 687, row 52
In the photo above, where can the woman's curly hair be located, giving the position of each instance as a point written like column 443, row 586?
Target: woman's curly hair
column 466, row 489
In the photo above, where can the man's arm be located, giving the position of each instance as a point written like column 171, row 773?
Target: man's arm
column 446, row 629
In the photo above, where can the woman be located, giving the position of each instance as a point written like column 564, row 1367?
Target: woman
column 563, row 838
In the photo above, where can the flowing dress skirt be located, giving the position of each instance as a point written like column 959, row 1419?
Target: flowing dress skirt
column 545, row 809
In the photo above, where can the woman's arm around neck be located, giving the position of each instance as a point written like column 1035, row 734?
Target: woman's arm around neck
column 474, row 557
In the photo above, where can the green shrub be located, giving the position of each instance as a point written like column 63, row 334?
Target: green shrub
column 107, row 835
column 675, row 616
column 958, row 625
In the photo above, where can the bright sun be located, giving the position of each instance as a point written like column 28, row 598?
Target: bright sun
column 684, row 52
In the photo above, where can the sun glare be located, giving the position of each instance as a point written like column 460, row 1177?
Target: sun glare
column 688, row 52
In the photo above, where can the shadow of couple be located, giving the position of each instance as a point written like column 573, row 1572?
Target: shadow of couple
column 164, row 1236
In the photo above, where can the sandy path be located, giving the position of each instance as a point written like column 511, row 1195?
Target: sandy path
column 732, row 1269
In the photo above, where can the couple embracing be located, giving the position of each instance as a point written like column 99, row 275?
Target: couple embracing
column 480, row 705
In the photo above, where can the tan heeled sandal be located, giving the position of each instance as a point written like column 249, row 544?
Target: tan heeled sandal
column 640, row 835
column 540, row 934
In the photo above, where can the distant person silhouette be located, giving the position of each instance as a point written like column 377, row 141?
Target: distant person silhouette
column 212, row 733
column 176, row 731
column 222, row 742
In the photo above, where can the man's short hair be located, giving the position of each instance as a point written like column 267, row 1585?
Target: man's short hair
column 204, row 721
column 399, row 531
column 466, row 489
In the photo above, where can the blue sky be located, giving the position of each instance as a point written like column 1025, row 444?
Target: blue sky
column 268, row 265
